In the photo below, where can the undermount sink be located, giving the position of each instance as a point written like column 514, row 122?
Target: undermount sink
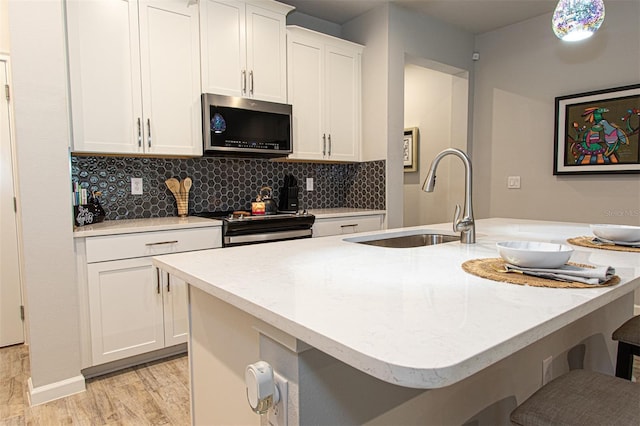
column 405, row 240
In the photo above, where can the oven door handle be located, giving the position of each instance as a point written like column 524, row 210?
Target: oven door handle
column 266, row 237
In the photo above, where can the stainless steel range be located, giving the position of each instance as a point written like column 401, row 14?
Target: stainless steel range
column 240, row 229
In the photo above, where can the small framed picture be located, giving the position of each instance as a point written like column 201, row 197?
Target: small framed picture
column 410, row 149
column 597, row 132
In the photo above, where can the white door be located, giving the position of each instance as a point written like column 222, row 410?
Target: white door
column 176, row 317
column 11, row 327
column 306, row 93
column 342, row 104
column 104, row 69
column 125, row 309
column 170, row 64
column 224, row 53
column 266, row 55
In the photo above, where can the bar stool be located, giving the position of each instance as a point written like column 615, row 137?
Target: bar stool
column 628, row 337
column 581, row 398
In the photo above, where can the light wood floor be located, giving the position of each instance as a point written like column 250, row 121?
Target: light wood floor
column 150, row 394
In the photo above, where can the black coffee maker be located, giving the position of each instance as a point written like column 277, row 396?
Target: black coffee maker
column 289, row 195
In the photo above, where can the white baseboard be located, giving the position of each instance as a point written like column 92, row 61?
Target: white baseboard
column 56, row 390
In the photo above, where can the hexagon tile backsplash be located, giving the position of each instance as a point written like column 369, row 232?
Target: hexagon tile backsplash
column 221, row 184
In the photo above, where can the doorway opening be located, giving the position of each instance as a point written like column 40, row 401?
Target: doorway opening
column 436, row 101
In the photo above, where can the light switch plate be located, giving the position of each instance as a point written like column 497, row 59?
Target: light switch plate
column 513, row 182
column 136, row 186
column 309, row 184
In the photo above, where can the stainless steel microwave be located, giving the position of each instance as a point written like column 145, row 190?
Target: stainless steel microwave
column 245, row 127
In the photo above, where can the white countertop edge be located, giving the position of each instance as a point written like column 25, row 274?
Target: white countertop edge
column 430, row 378
column 129, row 226
column 343, row 212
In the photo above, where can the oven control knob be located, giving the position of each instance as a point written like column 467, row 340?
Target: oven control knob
column 262, row 392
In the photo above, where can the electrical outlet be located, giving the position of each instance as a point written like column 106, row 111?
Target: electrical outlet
column 547, row 373
column 513, row 182
column 136, row 186
column 277, row 415
column 309, row 184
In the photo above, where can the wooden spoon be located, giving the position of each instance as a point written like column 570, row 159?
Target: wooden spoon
column 174, row 186
column 186, row 184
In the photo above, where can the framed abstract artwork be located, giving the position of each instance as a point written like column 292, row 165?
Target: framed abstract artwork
column 410, row 149
column 598, row 132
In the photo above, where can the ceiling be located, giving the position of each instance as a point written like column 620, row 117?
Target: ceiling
column 474, row 16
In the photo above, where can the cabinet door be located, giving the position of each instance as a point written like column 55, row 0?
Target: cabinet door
column 104, row 62
column 170, row 64
column 342, row 104
column 266, row 55
column 306, row 91
column 176, row 319
column 125, row 309
column 223, row 37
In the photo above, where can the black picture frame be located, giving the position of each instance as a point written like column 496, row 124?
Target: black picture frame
column 598, row 132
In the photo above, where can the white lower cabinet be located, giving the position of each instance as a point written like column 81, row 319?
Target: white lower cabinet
column 125, row 308
column 324, row 227
column 133, row 307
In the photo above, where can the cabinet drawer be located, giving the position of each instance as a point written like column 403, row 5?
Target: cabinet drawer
column 125, row 246
column 346, row 225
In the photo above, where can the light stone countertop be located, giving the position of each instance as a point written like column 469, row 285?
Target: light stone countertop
column 128, row 226
column 343, row 212
column 410, row 317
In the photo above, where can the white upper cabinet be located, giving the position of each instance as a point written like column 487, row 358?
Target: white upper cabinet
column 324, row 86
column 135, row 76
column 244, row 48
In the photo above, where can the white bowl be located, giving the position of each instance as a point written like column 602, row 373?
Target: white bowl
column 532, row 254
column 623, row 233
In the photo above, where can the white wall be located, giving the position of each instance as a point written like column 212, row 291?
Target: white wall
column 4, row 26
column 42, row 139
column 522, row 68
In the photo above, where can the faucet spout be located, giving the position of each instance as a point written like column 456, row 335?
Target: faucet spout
column 466, row 224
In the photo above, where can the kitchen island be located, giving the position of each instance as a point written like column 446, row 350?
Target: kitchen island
column 378, row 335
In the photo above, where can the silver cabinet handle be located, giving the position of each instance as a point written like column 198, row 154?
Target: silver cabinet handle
column 347, row 226
column 329, row 144
column 324, row 144
column 139, row 133
column 251, row 82
column 162, row 242
column 149, row 133
column 158, row 280
column 244, row 81
column 168, row 282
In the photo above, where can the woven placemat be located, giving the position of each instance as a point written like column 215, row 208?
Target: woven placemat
column 490, row 269
column 587, row 242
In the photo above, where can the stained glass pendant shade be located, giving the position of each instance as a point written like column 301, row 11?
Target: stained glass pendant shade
column 575, row 20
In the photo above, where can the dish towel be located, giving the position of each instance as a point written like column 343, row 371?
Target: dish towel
column 570, row 273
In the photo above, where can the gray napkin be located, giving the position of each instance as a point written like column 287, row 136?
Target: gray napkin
column 570, row 273
column 597, row 240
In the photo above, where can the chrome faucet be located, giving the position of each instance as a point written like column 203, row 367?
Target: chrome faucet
column 466, row 226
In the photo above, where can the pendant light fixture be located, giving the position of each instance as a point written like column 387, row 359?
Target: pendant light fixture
column 575, row 20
